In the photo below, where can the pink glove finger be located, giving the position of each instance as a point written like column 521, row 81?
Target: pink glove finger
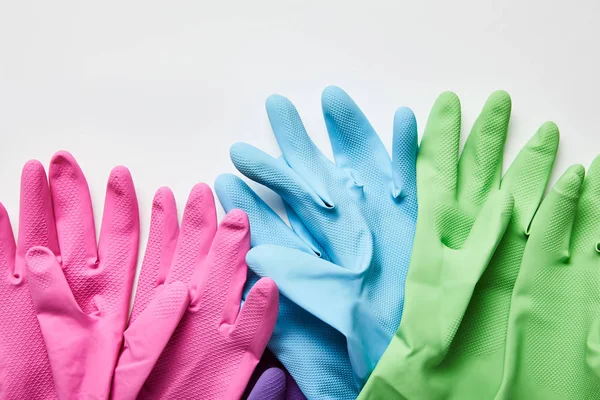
column 198, row 228
column 50, row 292
column 59, row 315
column 253, row 329
column 8, row 249
column 225, row 267
column 146, row 338
column 36, row 219
column 162, row 240
column 118, row 245
column 74, row 217
column 24, row 365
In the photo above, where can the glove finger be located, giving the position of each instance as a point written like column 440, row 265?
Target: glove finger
column 312, row 283
column 298, row 150
column 7, row 247
column 404, row 154
column 253, row 328
column 529, row 173
column 49, row 289
column 164, row 231
column 36, row 218
column 119, row 240
column 586, row 232
column 279, row 177
column 257, row 317
column 356, row 146
column 198, row 228
column 438, row 154
column 224, row 269
column 553, row 223
column 265, row 225
column 145, row 339
column 74, row 216
column 480, row 165
column 270, row 386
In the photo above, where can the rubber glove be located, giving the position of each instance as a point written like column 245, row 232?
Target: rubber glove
column 345, row 259
column 275, row 384
column 216, row 346
column 81, row 290
column 270, row 380
column 552, row 339
column 450, row 344
column 24, row 366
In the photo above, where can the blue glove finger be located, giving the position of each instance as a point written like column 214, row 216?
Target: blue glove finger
column 356, row 146
column 298, row 150
column 404, row 155
column 265, row 225
column 277, row 176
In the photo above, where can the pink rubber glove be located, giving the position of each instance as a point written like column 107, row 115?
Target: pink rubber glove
column 81, row 290
column 24, row 365
column 216, row 346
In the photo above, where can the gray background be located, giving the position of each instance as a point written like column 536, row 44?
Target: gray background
column 166, row 87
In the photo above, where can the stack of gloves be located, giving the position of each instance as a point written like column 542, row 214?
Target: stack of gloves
column 429, row 274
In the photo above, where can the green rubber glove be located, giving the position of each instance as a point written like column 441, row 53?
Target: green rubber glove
column 552, row 344
column 450, row 344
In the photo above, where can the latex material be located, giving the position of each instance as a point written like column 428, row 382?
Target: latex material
column 158, row 306
column 24, row 366
column 552, row 345
column 270, row 380
column 275, row 384
column 466, row 256
column 80, row 289
column 216, row 346
column 345, row 259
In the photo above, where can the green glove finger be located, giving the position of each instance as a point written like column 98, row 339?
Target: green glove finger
column 528, row 175
column 480, row 165
column 437, row 162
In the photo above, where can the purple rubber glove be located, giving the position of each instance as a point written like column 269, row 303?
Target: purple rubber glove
column 271, row 381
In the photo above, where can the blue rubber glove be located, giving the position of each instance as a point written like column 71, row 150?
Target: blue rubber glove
column 341, row 268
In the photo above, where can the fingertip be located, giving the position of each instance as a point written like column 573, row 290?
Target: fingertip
column 569, row 184
column 576, row 169
column 332, row 94
column 119, row 177
column 447, row 102
column 239, row 153
column 33, row 168
column 405, row 114
column 266, row 289
column 276, row 100
column 38, row 259
column 201, row 195
column 236, row 220
column 62, row 157
column 164, row 199
column 500, row 101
